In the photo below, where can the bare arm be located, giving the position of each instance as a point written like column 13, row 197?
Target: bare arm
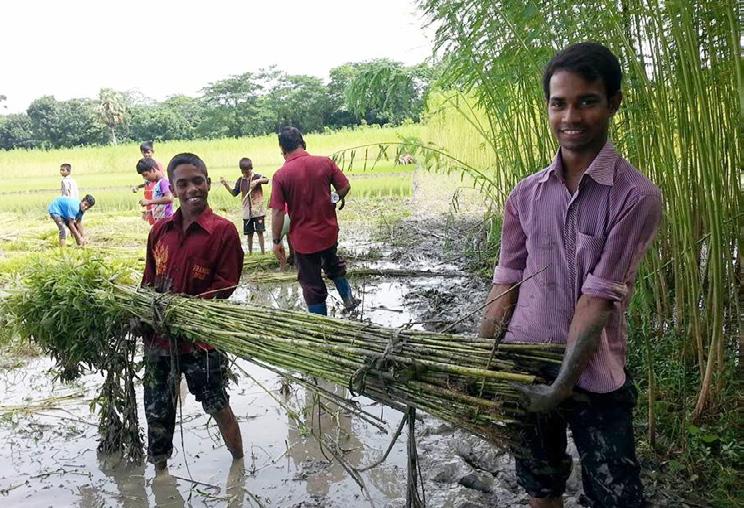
column 227, row 186
column 499, row 305
column 343, row 191
column 168, row 198
column 76, row 229
column 589, row 319
column 277, row 222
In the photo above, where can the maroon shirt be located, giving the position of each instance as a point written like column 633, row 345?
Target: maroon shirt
column 205, row 261
column 303, row 184
column 588, row 243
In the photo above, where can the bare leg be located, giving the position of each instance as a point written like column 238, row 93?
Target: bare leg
column 261, row 241
column 230, row 431
column 546, row 502
column 249, row 239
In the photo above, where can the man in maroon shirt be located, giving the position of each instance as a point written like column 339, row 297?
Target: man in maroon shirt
column 303, row 184
column 196, row 253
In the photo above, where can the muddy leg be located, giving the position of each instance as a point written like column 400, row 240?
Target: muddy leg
column 230, row 431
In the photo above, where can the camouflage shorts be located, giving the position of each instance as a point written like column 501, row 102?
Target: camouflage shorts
column 602, row 429
column 206, row 376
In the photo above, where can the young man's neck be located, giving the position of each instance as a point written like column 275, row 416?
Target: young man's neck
column 576, row 162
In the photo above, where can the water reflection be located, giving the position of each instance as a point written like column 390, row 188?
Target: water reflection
column 322, row 420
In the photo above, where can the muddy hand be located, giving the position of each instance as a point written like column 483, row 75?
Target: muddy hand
column 538, row 398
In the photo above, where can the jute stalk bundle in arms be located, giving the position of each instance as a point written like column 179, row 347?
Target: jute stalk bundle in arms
column 462, row 380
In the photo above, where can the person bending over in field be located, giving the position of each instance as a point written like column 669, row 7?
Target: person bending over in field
column 575, row 232
column 67, row 213
column 303, row 185
column 68, row 187
column 196, row 253
column 161, row 202
column 249, row 188
column 148, row 152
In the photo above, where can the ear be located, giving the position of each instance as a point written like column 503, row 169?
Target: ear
column 614, row 102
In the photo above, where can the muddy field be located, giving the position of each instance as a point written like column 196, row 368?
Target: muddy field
column 49, row 432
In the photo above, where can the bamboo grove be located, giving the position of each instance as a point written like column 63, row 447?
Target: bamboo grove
column 680, row 123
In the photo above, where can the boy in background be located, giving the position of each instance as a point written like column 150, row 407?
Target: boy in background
column 148, row 151
column 67, row 213
column 68, row 186
column 161, row 201
column 250, row 190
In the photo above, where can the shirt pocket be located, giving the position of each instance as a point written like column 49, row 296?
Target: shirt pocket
column 588, row 253
column 200, row 274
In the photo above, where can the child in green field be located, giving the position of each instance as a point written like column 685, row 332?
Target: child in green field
column 68, row 187
column 160, row 202
column 67, row 213
column 254, row 212
column 148, row 152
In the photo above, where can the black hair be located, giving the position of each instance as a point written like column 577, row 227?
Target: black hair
column 89, row 199
column 66, row 165
column 146, row 165
column 147, row 145
column 186, row 158
column 290, row 138
column 590, row 60
column 245, row 163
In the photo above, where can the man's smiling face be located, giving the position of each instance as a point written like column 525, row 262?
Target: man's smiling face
column 579, row 111
column 191, row 187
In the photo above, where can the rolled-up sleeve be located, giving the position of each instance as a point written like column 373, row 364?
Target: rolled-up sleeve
column 513, row 252
column 624, row 248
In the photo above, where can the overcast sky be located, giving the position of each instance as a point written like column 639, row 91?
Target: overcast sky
column 73, row 48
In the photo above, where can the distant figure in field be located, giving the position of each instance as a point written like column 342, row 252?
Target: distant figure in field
column 161, row 202
column 68, row 187
column 303, row 185
column 67, row 213
column 148, row 152
column 406, row 158
column 249, row 188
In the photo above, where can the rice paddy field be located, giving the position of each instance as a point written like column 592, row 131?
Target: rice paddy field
column 31, row 177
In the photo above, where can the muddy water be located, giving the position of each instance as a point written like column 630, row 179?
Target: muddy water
column 49, row 454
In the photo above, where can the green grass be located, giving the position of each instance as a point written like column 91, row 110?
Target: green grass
column 31, row 179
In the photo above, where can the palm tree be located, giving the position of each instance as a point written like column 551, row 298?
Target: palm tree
column 112, row 109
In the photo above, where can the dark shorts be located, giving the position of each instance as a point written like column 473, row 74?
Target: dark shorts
column 60, row 222
column 254, row 225
column 206, row 376
column 602, row 429
column 309, row 273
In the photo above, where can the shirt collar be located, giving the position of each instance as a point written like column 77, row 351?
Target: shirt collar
column 601, row 170
column 295, row 155
column 205, row 220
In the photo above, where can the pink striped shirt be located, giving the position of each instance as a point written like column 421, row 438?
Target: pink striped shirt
column 588, row 243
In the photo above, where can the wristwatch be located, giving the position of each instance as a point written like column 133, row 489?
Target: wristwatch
column 276, row 241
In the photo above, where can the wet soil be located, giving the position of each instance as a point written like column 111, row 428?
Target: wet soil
column 49, row 433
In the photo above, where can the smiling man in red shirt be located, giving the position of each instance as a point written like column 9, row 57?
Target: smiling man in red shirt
column 196, row 253
column 303, row 185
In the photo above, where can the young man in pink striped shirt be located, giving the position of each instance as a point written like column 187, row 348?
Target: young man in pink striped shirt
column 576, row 232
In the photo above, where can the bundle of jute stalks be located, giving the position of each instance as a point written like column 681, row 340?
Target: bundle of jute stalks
column 466, row 381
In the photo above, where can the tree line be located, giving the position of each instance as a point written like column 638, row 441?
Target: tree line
column 379, row 91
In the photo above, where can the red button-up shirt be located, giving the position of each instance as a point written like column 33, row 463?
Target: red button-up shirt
column 303, row 184
column 587, row 243
column 205, row 261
